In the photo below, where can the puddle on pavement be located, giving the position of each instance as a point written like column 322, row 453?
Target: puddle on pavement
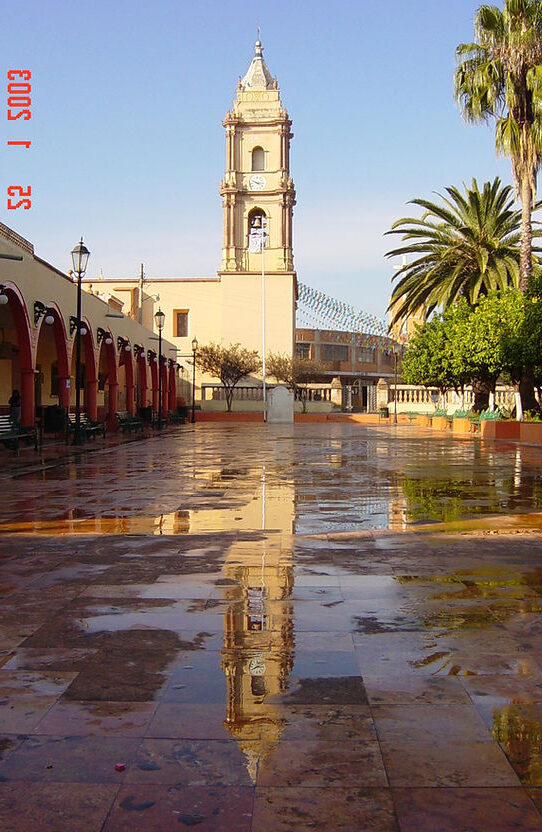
column 243, row 642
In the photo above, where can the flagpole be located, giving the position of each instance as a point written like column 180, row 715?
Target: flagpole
column 263, row 318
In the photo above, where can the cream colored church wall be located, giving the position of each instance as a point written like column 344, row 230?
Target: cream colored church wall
column 241, row 302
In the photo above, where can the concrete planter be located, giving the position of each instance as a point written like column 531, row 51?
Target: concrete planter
column 500, row 430
column 422, row 421
column 463, row 426
column 440, row 423
column 531, row 432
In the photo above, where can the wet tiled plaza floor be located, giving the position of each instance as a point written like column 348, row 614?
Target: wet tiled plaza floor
column 245, row 628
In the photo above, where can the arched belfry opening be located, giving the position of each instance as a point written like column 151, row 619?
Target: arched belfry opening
column 258, row 158
column 257, row 229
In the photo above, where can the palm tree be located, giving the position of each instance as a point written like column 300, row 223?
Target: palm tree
column 464, row 247
column 499, row 76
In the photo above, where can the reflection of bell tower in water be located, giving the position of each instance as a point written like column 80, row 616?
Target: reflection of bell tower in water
column 258, row 631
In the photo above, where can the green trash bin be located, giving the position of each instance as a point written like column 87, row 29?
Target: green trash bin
column 384, row 412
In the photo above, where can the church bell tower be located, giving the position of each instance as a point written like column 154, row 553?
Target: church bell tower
column 257, row 190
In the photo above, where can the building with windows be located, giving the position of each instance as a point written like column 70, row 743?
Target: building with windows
column 351, row 360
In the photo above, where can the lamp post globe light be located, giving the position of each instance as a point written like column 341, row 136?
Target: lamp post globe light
column 160, row 319
column 80, row 255
column 194, row 352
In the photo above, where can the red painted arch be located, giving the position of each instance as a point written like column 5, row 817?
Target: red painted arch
column 21, row 321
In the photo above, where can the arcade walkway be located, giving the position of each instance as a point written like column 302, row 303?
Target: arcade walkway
column 245, row 628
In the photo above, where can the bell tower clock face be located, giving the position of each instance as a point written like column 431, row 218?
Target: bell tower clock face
column 257, row 182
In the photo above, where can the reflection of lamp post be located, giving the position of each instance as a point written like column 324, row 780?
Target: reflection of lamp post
column 160, row 318
column 194, row 351
column 80, row 255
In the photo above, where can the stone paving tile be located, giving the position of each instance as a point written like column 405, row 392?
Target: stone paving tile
column 429, row 723
column 26, row 696
column 475, row 809
column 503, row 690
column 142, row 808
column 326, row 723
column 336, row 641
column 320, row 663
column 69, row 759
column 97, row 718
column 396, row 690
column 344, row 810
column 447, row 764
column 35, row 807
column 192, row 763
column 323, row 764
column 188, row 721
column 338, row 690
column 67, row 660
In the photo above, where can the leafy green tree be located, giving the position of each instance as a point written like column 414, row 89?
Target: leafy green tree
column 297, row 373
column 472, row 345
column 464, row 247
column 499, row 76
column 428, row 358
column 229, row 364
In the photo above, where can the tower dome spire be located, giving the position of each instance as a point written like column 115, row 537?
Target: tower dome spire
column 258, row 76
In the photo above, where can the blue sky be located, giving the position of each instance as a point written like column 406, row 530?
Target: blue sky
column 128, row 148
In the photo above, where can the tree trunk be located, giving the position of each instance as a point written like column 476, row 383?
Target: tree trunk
column 229, row 397
column 525, row 262
column 481, row 388
column 526, row 391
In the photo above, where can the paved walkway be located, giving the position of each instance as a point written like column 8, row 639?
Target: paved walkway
column 250, row 628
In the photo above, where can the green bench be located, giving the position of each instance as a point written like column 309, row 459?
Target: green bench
column 176, row 418
column 11, row 433
column 127, row 422
column 89, row 428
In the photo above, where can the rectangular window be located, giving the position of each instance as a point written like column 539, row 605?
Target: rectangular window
column 335, row 352
column 180, row 323
column 303, row 350
column 367, row 356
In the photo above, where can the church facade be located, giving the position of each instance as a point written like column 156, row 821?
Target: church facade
column 252, row 299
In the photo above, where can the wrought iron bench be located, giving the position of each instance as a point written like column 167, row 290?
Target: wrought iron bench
column 11, row 433
column 88, row 426
column 127, row 422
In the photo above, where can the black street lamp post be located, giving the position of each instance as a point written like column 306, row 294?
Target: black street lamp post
column 80, row 255
column 194, row 352
column 160, row 318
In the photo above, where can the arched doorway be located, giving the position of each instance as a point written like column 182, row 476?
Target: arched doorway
column 142, row 380
column 52, row 377
column 89, row 377
column 126, row 376
column 108, row 385
column 16, row 366
column 153, row 363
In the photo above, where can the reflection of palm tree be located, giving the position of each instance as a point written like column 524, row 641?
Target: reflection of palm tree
column 519, row 731
column 464, row 246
